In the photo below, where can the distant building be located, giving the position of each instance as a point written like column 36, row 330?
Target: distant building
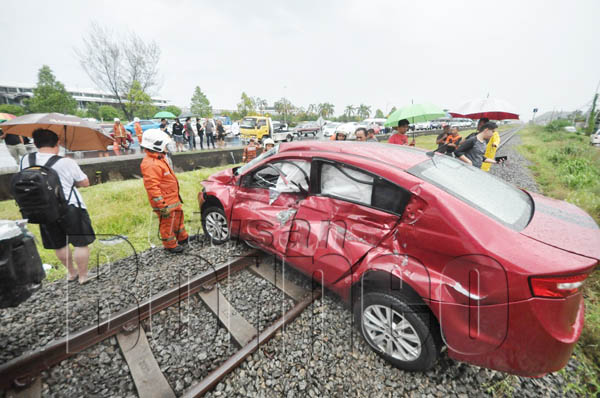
column 16, row 93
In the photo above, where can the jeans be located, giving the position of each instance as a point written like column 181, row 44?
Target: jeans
column 192, row 141
column 201, row 136
column 210, row 138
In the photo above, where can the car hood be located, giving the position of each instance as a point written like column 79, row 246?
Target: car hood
column 223, row 177
column 565, row 226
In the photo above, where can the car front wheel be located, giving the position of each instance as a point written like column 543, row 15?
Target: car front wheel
column 289, row 138
column 215, row 225
column 405, row 335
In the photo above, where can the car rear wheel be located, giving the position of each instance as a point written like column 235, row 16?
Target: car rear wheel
column 405, row 335
column 215, row 225
column 289, row 138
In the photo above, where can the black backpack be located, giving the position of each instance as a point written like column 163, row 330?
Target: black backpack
column 38, row 192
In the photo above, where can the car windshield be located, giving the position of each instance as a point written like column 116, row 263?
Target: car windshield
column 248, row 123
column 257, row 160
column 487, row 193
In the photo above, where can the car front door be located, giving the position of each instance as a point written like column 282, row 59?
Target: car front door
column 349, row 213
column 267, row 200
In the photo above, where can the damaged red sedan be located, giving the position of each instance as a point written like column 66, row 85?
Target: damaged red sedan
column 428, row 250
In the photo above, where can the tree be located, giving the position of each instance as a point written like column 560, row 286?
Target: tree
column 174, row 110
column 284, row 107
column 246, row 106
column 326, row 110
column 349, row 111
column 93, row 110
column 363, row 111
column 16, row 110
column 50, row 95
column 115, row 62
column 392, row 111
column 107, row 113
column 592, row 117
column 200, row 104
column 379, row 114
column 139, row 103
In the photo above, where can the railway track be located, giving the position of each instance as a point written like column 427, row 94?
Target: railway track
column 21, row 376
column 506, row 136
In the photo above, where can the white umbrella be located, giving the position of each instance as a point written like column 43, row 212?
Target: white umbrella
column 492, row 108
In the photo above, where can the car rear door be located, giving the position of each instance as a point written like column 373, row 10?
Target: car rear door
column 349, row 213
column 266, row 202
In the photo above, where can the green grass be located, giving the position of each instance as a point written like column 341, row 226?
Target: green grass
column 122, row 208
column 566, row 167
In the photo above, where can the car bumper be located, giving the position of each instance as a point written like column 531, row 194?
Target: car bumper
column 528, row 338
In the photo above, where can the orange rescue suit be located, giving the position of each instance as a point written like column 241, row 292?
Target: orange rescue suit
column 163, row 193
column 138, row 131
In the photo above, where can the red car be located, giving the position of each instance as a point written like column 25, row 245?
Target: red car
column 428, row 250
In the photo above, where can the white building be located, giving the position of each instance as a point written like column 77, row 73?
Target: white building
column 16, row 93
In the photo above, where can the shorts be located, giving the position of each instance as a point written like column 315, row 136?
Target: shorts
column 75, row 227
column 178, row 138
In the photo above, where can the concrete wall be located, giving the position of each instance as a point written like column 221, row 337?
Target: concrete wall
column 128, row 166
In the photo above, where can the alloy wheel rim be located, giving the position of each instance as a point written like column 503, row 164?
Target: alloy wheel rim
column 391, row 333
column 216, row 226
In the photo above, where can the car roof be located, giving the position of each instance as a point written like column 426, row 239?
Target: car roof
column 400, row 156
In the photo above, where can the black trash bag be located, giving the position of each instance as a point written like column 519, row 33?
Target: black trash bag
column 21, row 270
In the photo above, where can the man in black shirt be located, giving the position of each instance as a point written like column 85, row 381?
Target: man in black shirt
column 473, row 149
column 200, row 131
column 14, row 144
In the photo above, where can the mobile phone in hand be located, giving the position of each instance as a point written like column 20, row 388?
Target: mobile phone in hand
column 501, row 158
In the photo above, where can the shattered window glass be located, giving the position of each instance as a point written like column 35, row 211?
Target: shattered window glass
column 346, row 183
column 282, row 176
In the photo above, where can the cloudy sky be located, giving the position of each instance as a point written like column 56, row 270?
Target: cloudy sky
column 535, row 53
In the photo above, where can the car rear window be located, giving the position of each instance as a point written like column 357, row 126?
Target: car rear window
column 481, row 190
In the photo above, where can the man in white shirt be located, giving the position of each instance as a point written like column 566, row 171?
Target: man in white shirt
column 76, row 223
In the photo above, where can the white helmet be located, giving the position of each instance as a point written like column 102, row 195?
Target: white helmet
column 136, row 119
column 117, row 119
column 155, row 140
column 268, row 141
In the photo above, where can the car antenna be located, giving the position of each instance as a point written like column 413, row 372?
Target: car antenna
column 431, row 154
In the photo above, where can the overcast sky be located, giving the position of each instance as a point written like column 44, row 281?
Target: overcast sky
column 541, row 54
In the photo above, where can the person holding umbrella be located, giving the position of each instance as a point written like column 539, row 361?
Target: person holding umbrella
column 75, row 226
column 400, row 137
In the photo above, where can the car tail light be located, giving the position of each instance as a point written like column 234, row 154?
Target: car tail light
column 556, row 286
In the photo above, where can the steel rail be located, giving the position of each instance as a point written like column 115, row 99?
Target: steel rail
column 22, row 370
column 236, row 359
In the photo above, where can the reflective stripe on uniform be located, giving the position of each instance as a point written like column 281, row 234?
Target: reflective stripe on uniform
column 168, row 239
column 158, row 199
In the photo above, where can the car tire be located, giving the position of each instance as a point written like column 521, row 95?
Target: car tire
column 289, row 138
column 215, row 226
column 421, row 330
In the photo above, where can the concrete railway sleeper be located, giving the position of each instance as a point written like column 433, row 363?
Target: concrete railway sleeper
column 21, row 376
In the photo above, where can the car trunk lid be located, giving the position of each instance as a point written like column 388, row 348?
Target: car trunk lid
column 565, row 226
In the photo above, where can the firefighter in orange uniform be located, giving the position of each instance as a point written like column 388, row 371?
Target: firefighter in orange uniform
column 138, row 129
column 120, row 136
column 163, row 190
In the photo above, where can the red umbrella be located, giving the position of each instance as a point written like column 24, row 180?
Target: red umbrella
column 492, row 108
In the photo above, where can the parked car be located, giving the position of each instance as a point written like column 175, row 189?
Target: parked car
column 329, row 128
column 307, row 128
column 145, row 124
column 427, row 250
column 595, row 138
column 423, row 126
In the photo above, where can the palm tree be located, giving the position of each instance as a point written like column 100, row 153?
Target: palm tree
column 326, row 109
column 261, row 104
column 349, row 110
column 312, row 109
column 364, row 111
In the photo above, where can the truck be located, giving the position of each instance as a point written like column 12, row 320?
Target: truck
column 261, row 127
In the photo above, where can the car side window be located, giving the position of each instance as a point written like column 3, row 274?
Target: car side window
column 283, row 176
column 356, row 186
column 261, row 123
column 346, row 183
column 145, row 123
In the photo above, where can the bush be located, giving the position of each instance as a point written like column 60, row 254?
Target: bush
column 557, row 125
column 12, row 109
column 108, row 113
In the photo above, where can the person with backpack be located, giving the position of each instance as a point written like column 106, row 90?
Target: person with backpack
column 46, row 191
column 162, row 188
